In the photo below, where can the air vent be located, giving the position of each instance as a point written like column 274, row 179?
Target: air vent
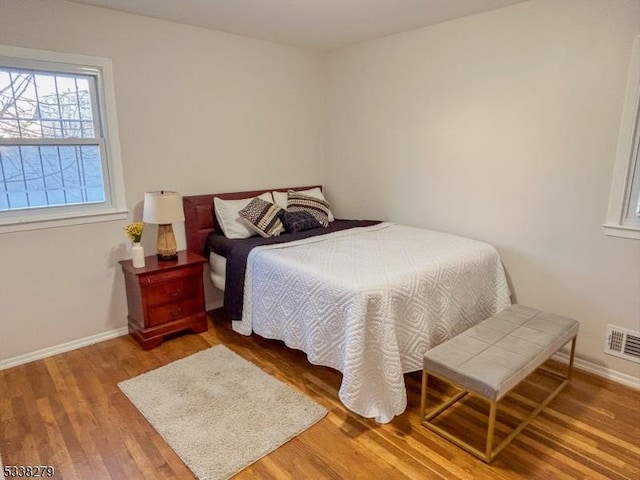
column 623, row 343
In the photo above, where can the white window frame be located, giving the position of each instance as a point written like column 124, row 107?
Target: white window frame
column 623, row 201
column 115, row 205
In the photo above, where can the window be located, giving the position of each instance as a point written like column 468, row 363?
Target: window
column 623, row 217
column 59, row 153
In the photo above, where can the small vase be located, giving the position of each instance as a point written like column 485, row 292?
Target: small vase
column 137, row 253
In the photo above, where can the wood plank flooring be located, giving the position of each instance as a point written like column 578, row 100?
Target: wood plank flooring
column 67, row 411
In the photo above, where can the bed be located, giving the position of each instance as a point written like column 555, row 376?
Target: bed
column 368, row 299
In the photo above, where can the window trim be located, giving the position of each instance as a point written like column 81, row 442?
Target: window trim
column 627, row 159
column 115, row 205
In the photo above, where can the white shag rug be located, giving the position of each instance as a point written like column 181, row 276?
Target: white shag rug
column 219, row 412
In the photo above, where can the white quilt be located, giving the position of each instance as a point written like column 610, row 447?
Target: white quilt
column 370, row 302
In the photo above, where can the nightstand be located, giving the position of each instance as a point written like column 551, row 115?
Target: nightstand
column 165, row 297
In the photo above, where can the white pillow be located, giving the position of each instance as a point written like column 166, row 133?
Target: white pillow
column 280, row 198
column 227, row 215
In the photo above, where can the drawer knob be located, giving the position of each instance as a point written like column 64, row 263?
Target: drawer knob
column 175, row 293
column 176, row 313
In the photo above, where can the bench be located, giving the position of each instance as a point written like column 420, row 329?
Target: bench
column 491, row 359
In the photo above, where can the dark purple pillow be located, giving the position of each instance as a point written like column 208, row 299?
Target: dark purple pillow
column 298, row 221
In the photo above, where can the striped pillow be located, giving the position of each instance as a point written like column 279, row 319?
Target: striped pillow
column 262, row 217
column 299, row 202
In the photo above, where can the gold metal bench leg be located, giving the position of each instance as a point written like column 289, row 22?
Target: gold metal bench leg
column 423, row 395
column 572, row 357
column 491, row 429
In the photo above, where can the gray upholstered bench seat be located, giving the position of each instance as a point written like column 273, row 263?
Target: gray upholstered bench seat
column 493, row 357
column 497, row 354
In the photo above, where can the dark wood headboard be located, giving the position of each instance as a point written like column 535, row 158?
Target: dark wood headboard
column 200, row 221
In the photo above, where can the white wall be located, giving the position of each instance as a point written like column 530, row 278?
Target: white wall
column 500, row 126
column 199, row 112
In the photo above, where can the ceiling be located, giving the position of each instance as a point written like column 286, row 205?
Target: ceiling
column 316, row 24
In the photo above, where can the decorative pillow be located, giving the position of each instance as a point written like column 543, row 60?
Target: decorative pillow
column 298, row 202
column 228, row 218
column 262, row 217
column 280, row 198
column 298, row 221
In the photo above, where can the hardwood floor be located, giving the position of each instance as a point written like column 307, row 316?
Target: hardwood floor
column 67, row 411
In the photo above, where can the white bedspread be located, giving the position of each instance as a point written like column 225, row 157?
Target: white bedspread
column 370, row 302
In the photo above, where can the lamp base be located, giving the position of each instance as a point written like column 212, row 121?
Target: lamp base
column 167, row 258
column 167, row 249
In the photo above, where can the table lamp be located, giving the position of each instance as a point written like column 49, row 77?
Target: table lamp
column 163, row 208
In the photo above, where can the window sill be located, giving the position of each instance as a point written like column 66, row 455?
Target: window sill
column 38, row 223
column 622, row 231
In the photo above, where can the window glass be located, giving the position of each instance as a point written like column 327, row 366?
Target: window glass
column 51, row 144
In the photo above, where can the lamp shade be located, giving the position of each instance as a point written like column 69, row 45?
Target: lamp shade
column 162, row 207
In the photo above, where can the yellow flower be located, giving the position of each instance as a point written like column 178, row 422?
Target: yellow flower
column 134, row 231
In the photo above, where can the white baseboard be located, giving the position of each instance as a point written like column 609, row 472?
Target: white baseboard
column 623, row 378
column 65, row 347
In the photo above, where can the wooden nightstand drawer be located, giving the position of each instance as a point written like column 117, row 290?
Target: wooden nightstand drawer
column 173, row 311
column 170, row 275
column 172, row 291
